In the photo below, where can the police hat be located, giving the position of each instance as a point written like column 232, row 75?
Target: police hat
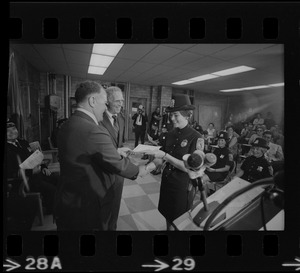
column 260, row 142
column 181, row 102
column 10, row 124
column 223, row 135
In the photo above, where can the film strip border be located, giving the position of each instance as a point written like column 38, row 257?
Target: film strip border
column 165, row 23
column 152, row 22
column 140, row 251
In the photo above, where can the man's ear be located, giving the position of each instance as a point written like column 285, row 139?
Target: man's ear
column 91, row 101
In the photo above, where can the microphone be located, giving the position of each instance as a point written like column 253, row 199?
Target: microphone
column 196, row 164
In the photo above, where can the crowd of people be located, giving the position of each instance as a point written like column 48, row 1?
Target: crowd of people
column 94, row 162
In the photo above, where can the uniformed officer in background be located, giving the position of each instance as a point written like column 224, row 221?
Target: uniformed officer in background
column 256, row 166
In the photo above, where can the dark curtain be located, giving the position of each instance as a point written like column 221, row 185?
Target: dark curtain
column 14, row 97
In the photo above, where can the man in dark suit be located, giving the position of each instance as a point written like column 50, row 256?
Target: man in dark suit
column 139, row 124
column 114, row 122
column 89, row 165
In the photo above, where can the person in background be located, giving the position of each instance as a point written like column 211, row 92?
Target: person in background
column 198, row 128
column 258, row 121
column 211, row 132
column 232, row 141
column 278, row 137
column 256, row 166
column 59, row 123
column 269, row 120
column 39, row 179
column 114, row 122
column 274, row 154
column 166, row 118
column 155, row 118
column 259, row 133
column 139, row 124
column 220, row 169
column 207, row 142
column 176, row 191
column 90, row 165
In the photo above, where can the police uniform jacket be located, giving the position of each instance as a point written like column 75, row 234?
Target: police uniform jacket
column 222, row 161
column 174, row 197
column 255, row 168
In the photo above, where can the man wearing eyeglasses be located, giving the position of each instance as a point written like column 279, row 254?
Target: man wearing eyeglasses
column 258, row 134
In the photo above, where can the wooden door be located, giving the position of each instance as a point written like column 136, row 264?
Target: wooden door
column 133, row 106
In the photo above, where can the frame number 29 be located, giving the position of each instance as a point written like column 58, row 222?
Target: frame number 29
column 185, row 264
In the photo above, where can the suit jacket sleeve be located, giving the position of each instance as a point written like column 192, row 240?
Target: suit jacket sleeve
column 105, row 155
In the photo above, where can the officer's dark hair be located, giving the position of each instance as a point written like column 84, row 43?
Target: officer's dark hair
column 186, row 113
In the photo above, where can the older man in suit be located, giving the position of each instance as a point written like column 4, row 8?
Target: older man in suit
column 114, row 122
column 90, row 165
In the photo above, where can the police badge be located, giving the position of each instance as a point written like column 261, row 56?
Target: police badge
column 184, row 143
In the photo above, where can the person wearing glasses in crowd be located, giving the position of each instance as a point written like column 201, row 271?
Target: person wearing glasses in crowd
column 259, row 133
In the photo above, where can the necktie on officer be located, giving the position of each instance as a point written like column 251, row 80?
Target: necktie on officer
column 116, row 126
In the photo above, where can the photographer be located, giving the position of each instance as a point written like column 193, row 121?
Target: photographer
column 139, row 124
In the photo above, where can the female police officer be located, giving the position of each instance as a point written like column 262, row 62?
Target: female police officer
column 176, row 192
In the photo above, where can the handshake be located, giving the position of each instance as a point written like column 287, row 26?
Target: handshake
column 143, row 169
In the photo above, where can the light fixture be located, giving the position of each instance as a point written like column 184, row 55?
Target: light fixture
column 107, row 49
column 253, row 87
column 234, row 70
column 183, row 82
column 203, row 78
column 96, row 70
column 226, row 72
column 102, row 56
column 100, row 60
column 277, row 84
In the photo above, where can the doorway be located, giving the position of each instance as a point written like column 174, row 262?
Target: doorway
column 133, row 106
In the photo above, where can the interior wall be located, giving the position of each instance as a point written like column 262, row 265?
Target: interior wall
column 271, row 100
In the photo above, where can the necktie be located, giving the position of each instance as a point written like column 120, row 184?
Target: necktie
column 116, row 126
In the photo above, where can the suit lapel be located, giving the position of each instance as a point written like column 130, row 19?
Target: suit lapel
column 107, row 124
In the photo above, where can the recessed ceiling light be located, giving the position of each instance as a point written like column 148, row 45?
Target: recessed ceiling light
column 100, row 60
column 183, row 82
column 203, row 78
column 107, row 49
column 234, row 70
column 96, row 70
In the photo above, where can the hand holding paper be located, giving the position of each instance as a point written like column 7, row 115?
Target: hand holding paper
column 32, row 161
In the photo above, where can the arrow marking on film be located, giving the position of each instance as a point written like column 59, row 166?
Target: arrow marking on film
column 12, row 265
column 160, row 266
column 297, row 259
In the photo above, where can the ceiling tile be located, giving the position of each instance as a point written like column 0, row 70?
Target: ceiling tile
column 183, row 58
column 238, row 50
column 160, row 54
column 77, row 57
column 119, row 63
column 208, row 49
column 135, row 51
column 87, row 48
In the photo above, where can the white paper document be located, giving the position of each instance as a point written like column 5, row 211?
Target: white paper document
column 141, row 148
column 32, row 161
